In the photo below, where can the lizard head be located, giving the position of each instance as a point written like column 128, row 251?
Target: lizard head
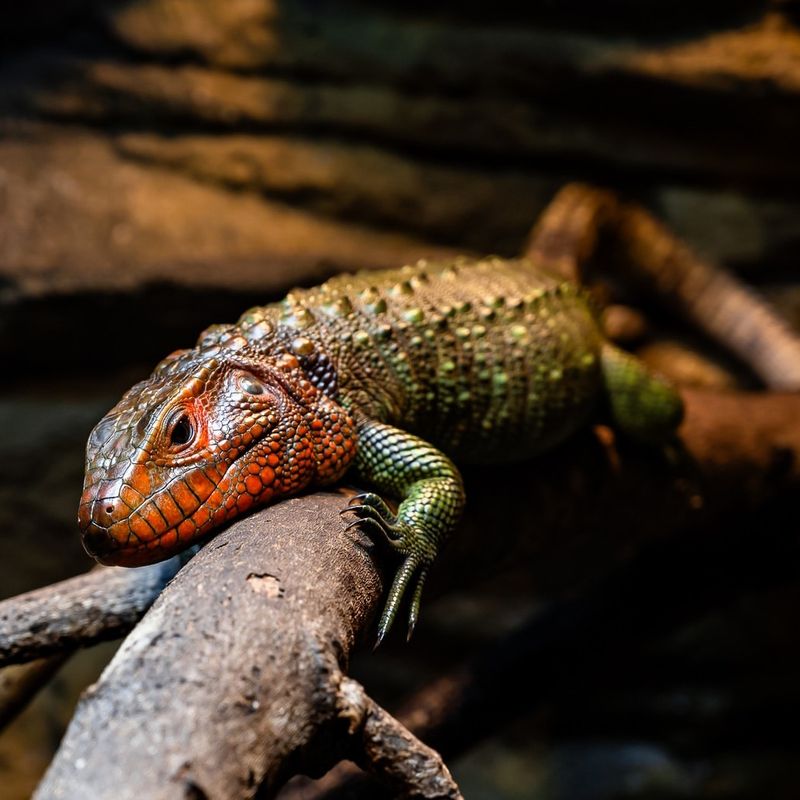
column 213, row 432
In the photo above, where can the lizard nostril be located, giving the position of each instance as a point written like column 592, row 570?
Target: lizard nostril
column 105, row 512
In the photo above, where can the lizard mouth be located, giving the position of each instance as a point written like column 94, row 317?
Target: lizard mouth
column 106, row 550
column 132, row 542
column 118, row 543
column 100, row 546
column 120, row 528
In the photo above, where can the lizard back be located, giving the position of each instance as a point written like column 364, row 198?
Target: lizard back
column 489, row 360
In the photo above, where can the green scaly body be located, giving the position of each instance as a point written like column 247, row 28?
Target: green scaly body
column 489, row 361
column 400, row 371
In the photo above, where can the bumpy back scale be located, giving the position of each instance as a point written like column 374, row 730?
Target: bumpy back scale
column 489, row 360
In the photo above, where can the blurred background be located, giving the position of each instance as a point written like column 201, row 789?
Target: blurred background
column 166, row 164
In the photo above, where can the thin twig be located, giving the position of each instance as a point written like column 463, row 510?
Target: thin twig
column 19, row 684
column 390, row 751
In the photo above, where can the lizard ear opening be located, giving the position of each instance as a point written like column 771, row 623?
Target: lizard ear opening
column 254, row 389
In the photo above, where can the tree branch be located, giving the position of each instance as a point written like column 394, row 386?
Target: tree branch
column 100, row 605
column 254, row 633
column 713, row 298
column 390, row 750
column 251, row 637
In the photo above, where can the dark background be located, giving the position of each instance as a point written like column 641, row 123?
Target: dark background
column 165, row 164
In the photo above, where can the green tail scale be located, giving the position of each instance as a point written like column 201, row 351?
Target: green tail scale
column 475, row 361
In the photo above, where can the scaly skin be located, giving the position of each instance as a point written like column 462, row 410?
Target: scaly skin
column 383, row 371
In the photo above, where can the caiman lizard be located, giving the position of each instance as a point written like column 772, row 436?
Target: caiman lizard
column 399, row 374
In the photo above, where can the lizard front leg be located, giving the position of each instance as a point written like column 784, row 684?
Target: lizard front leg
column 432, row 496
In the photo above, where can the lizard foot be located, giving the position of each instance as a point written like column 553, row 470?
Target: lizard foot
column 372, row 514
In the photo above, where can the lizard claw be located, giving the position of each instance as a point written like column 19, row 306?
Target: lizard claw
column 372, row 511
column 366, row 522
column 392, row 531
column 359, row 496
column 409, row 568
column 375, row 518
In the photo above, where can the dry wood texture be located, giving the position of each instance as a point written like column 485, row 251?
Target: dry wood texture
column 84, row 610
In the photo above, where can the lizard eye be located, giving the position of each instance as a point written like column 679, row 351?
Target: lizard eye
column 181, row 430
column 247, row 383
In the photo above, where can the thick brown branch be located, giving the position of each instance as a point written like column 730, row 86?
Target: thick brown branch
column 713, row 298
column 251, row 635
column 241, row 689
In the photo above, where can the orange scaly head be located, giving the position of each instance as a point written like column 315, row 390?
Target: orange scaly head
column 213, row 432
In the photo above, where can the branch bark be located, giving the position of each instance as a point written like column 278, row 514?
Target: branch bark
column 100, row 605
column 251, row 638
column 713, row 298
column 243, row 689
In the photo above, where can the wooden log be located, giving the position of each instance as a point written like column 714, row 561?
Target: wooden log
column 352, row 181
column 439, row 125
column 349, row 41
column 493, row 126
column 211, row 213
